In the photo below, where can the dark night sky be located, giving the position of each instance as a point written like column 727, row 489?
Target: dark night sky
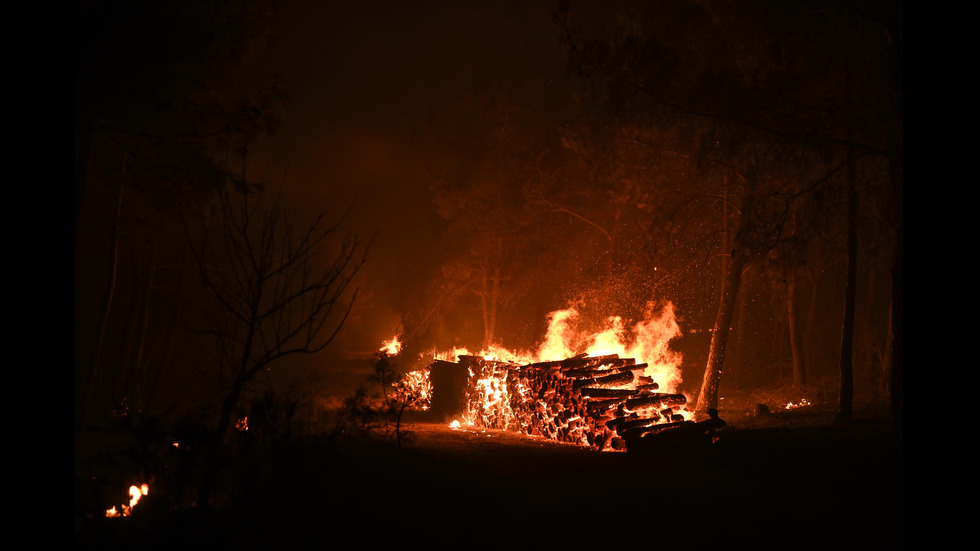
column 363, row 80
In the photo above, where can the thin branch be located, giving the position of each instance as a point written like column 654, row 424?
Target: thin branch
column 556, row 208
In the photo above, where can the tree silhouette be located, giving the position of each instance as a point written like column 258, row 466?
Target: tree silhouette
column 159, row 105
column 278, row 286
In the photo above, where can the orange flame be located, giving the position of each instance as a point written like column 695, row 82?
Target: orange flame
column 135, row 493
column 648, row 341
column 391, row 347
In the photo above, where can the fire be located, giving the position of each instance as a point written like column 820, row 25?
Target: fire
column 803, row 403
column 391, row 347
column 415, row 389
column 505, row 389
column 648, row 341
column 451, row 355
column 135, row 493
column 490, row 396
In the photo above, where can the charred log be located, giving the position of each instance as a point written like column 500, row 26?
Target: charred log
column 647, row 431
column 620, row 393
column 543, row 366
column 584, row 360
column 685, row 433
column 590, row 372
column 623, row 425
column 608, row 381
column 656, row 400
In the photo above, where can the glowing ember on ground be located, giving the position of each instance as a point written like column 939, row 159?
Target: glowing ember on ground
column 803, row 403
column 135, row 493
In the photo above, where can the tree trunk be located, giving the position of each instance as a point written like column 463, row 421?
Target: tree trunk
column 885, row 387
column 141, row 357
column 123, row 370
column 809, row 341
column 490, row 291
column 799, row 367
column 708, row 397
column 83, row 153
column 106, row 305
column 895, row 23
column 738, row 361
column 846, row 397
column 167, row 342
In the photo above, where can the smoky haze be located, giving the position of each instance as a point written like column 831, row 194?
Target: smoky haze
column 367, row 82
column 457, row 143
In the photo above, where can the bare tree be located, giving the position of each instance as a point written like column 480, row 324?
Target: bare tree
column 278, row 286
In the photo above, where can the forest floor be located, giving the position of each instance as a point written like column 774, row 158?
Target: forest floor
column 791, row 479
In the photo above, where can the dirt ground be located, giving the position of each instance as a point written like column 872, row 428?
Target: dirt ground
column 789, row 480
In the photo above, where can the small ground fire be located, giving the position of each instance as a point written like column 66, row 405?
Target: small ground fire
column 135, row 493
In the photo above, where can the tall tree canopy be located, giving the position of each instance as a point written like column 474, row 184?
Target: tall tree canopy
column 163, row 110
column 766, row 103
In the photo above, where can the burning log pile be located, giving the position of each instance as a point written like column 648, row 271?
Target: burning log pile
column 598, row 401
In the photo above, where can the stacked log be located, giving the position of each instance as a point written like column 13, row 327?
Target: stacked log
column 594, row 401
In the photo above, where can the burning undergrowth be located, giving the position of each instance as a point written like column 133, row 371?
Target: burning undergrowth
column 591, row 388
